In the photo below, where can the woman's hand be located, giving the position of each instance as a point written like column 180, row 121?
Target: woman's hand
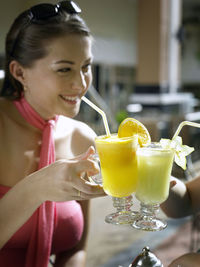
column 172, row 183
column 64, row 179
column 178, row 203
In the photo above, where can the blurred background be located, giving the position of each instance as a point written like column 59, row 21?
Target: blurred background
column 146, row 66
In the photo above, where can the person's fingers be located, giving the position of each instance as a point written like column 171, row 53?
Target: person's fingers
column 172, row 183
column 87, row 191
column 88, row 166
column 86, row 154
column 88, row 188
column 81, row 195
column 89, row 152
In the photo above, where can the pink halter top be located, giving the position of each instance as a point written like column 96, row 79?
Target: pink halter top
column 46, row 220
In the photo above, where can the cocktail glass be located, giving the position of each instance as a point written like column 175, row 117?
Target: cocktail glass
column 154, row 170
column 119, row 174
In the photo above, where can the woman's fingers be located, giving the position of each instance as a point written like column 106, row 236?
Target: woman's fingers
column 80, row 187
column 87, row 189
column 78, row 167
column 88, row 166
column 98, row 192
column 86, row 154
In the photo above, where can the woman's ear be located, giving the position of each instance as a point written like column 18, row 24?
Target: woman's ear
column 17, row 71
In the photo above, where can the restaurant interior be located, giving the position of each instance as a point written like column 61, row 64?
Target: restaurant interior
column 146, row 66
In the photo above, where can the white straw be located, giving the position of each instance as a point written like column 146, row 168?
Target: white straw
column 183, row 123
column 100, row 112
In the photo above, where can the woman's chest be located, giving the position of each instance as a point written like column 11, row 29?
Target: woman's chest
column 20, row 153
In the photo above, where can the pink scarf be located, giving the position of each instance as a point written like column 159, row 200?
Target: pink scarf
column 39, row 247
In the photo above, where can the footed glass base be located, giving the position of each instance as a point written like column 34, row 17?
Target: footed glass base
column 118, row 218
column 149, row 224
column 146, row 220
column 124, row 214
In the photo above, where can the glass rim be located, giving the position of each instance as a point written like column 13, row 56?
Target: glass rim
column 157, row 148
column 103, row 137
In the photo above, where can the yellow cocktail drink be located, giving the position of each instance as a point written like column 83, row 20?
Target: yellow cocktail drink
column 118, row 164
column 154, row 170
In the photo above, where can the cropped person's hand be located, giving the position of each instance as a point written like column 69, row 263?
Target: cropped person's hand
column 64, row 179
column 186, row 260
column 172, row 183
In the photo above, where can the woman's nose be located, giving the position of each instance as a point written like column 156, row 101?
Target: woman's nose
column 79, row 81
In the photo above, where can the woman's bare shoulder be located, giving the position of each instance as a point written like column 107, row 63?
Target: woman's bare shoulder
column 75, row 126
column 82, row 135
column 84, row 129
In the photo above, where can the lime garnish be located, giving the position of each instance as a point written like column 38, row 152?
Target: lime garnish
column 180, row 150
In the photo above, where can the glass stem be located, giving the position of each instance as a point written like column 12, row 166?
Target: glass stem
column 149, row 210
column 123, row 203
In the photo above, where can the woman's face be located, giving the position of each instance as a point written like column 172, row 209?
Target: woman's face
column 55, row 84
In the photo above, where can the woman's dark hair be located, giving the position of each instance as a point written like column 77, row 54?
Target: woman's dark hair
column 25, row 43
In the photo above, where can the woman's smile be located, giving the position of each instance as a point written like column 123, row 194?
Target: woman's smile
column 72, row 100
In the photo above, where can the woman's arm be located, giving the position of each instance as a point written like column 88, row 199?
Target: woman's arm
column 77, row 256
column 184, row 198
column 178, row 203
column 193, row 188
column 60, row 181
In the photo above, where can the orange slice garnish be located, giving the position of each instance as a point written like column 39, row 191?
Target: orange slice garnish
column 130, row 127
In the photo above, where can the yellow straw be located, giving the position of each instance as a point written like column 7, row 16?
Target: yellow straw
column 183, row 123
column 105, row 122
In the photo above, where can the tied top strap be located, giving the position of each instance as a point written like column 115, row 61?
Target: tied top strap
column 39, row 247
column 47, row 153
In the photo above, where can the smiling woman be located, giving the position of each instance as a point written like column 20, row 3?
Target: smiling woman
column 45, row 153
column 67, row 66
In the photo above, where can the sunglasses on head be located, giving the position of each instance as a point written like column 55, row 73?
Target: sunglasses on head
column 41, row 12
column 45, row 11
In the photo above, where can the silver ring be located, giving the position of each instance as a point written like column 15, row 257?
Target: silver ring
column 79, row 193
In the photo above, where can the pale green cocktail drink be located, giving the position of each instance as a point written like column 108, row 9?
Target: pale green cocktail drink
column 154, row 170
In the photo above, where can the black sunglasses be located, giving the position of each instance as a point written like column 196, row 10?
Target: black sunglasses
column 45, row 11
column 39, row 13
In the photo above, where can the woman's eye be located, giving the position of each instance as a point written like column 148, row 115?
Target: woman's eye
column 64, row 70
